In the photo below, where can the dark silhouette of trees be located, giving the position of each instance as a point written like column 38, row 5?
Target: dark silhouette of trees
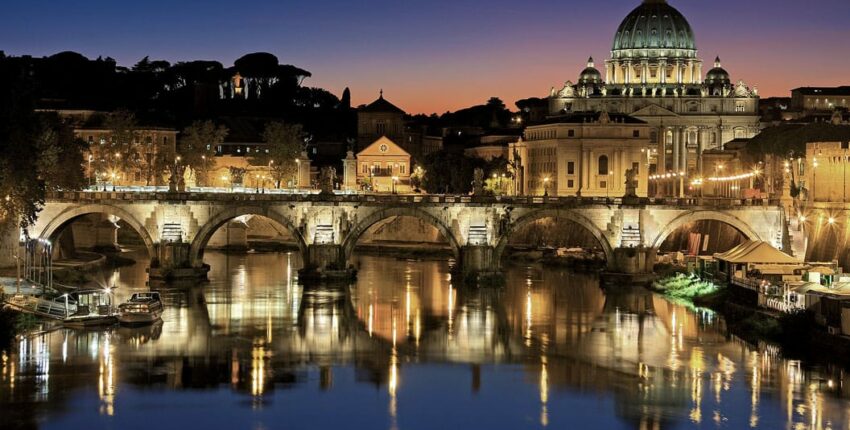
column 36, row 152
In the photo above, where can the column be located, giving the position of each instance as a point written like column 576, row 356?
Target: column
column 349, row 168
column 700, row 148
column 679, row 72
column 675, row 161
column 662, row 71
column 661, row 160
column 683, row 151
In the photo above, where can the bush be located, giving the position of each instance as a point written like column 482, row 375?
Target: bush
column 684, row 286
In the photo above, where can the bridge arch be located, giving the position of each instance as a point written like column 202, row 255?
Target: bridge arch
column 351, row 238
column 704, row 215
column 205, row 233
column 567, row 214
column 70, row 214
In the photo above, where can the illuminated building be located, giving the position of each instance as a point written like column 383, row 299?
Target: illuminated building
column 586, row 154
column 654, row 74
column 384, row 166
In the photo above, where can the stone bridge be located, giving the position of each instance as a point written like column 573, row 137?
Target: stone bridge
column 176, row 227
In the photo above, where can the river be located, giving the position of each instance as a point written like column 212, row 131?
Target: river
column 405, row 348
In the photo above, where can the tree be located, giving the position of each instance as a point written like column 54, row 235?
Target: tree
column 118, row 156
column 60, row 160
column 197, row 147
column 284, row 145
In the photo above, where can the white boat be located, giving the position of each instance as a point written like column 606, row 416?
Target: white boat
column 92, row 308
column 142, row 308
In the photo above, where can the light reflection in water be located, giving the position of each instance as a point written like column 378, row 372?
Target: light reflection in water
column 258, row 328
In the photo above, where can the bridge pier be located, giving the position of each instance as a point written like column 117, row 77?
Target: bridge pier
column 478, row 263
column 324, row 257
column 630, row 266
column 172, row 262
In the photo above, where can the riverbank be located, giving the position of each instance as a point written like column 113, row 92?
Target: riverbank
column 573, row 258
column 796, row 333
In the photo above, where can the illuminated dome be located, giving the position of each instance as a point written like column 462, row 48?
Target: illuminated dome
column 654, row 25
column 590, row 75
column 717, row 75
column 654, row 46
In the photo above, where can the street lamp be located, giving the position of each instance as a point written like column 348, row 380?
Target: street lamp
column 546, row 186
column 90, row 172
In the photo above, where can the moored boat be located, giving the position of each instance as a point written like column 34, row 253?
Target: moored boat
column 93, row 308
column 142, row 308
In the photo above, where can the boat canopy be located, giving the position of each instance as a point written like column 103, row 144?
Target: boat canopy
column 807, row 287
column 756, row 252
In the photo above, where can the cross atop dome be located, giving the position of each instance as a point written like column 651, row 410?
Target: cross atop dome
column 590, row 62
column 717, row 62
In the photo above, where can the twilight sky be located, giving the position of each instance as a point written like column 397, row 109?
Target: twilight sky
column 436, row 55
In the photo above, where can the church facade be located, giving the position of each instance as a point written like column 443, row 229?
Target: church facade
column 655, row 75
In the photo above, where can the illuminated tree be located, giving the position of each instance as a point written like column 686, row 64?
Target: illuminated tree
column 284, row 145
column 197, row 148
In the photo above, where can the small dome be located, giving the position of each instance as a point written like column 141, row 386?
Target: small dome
column 590, row 75
column 717, row 75
column 654, row 25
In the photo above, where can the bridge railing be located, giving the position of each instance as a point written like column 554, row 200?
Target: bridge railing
column 407, row 199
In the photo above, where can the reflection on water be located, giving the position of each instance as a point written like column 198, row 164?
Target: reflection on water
column 405, row 348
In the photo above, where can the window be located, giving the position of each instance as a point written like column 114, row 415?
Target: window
column 402, row 168
column 603, row 184
column 571, row 167
column 381, row 128
column 571, row 133
column 636, row 133
column 636, row 168
column 570, row 183
column 653, row 137
column 603, row 165
column 740, row 108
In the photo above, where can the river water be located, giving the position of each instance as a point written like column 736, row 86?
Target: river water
column 405, row 348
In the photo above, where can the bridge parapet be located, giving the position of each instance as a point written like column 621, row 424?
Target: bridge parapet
column 715, row 203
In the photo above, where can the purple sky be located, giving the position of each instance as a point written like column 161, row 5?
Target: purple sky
column 437, row 55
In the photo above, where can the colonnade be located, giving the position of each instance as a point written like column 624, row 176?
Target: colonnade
column 639, row 72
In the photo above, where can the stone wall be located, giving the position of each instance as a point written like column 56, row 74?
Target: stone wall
column 402, row 229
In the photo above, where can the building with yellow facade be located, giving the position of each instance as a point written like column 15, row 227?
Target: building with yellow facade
column 384, row 167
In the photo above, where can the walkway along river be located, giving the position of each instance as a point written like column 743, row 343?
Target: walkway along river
column 405, row 348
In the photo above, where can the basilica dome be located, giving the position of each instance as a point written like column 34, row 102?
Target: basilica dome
column 717, row 75
column 654, row 25
column 590, row 75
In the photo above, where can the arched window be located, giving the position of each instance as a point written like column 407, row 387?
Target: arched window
column 603, row 164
